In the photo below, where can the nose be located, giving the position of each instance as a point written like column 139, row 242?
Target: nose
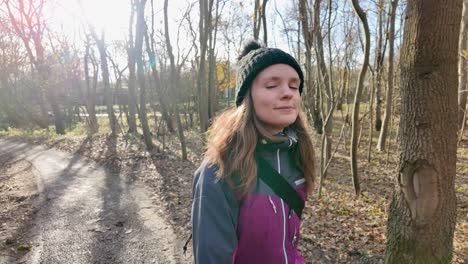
column 286, row 92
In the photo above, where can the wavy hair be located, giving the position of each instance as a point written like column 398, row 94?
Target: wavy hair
column 231, row 142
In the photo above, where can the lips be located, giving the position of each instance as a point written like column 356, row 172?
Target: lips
column 284, row 108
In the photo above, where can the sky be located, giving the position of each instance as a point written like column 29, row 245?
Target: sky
column 112, row 17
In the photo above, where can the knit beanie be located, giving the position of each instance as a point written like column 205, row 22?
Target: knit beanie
column 253, row 59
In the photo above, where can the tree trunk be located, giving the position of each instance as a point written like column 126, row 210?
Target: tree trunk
column 389, row 94
column 463, row 65
column 108, row 97
column 325, row 82
column 257, row 19
column 264, row 23
column 357, row 99
column 379, row 60
column 174, row 83
column 139, row 35
column 160, row 94
column 44, row 74
column 132, row 97
column 309, row 41
column 422, row 213
column 204, row 25
column 90, row 92
column 212, row 89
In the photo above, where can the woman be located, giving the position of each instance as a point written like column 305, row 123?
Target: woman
column 236, row 216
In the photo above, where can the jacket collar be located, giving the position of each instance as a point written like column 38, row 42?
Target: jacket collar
column 290, row 141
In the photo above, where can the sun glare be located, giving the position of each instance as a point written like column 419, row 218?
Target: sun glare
column 110, row 16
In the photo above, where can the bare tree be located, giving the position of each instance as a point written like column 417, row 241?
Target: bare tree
column 132, row 98
column 174, row 83
column 108, row 94
column 308, row 35
column 357, row 98
column 11, row 60
column 389, row 94
column 379, row 62
column 27, row 20
column 139, row 36
column 90, row 87
column 212, row 89
column 206, row 7
column 326, row 92
column 422, row 213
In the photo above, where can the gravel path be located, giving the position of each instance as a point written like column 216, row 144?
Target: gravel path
column 91, row 215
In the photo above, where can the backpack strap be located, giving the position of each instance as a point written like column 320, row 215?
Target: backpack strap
column 280, row 186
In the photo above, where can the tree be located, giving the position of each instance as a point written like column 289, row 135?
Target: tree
column 159, row 92
column 389, row 95
column 206, row 7
column 27, row 20
column 11, row 59
column 108, row 97
column 212, row 89
column 422, row 213
column 91, row 88
column 139, row 37
column 259, row 19
column 132, row 98
column 326, row 92
column 357, row 98
column 308, row 36
column 379, row 61
column 174, row 82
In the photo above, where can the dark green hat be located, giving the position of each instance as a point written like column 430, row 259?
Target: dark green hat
column 253, row 59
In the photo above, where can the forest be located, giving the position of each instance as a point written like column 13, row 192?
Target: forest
column 134, row 85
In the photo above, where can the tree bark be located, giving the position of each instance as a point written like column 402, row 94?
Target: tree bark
column 422, row 213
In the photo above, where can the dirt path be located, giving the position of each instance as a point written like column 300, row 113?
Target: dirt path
column 86, row 214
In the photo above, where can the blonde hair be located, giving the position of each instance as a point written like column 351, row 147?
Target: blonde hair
column 231, row 142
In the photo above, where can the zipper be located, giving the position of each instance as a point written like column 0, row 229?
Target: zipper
column 278, row 158
column 294, row 237
column 284, row 233
column 272, row 203
column 284, row 214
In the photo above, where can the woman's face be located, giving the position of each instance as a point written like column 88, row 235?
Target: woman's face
column 276, row 98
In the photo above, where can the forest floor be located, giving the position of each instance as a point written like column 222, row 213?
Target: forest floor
column 336, row 228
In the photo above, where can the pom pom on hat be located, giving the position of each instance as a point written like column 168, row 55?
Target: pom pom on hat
column 248, row 47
